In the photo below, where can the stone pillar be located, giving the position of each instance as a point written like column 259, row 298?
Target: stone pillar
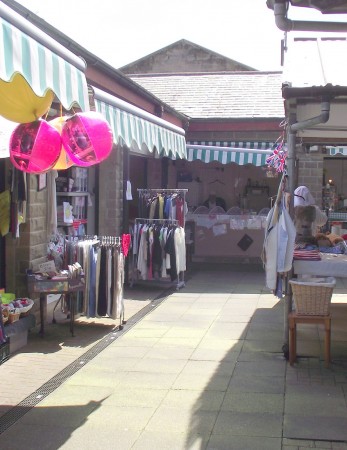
column 30, row 248
column 110, row 213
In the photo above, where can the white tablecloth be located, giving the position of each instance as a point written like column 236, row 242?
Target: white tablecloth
column 330, row 265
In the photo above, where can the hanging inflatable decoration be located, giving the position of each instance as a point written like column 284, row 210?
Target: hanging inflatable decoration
column 35, row 146
column 87, row 138
column 19, row 102
column 64, row 161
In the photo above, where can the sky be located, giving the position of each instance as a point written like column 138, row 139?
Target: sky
column 123, row 31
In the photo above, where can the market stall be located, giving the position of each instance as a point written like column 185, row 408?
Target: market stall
column 227, row 236
column 235, row 178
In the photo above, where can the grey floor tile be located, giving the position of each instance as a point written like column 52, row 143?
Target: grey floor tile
column 259, row 384
column 150, row 440
column 315, row 427
column 248, row 424
column 194, row 400
column 273, row 368
column 121, row 417
column 22, row 436
column 158, row 365
column 253, row 402
column 170, row 419
column 227, row 442
column 202, row 382
column 136, row 397
column 66, row 416
column 103, row 437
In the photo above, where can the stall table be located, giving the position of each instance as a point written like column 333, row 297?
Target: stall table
column 330, row 265
column 225, row 236
column 67, row 286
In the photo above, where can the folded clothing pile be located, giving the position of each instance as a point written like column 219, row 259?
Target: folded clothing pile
column 306, row 253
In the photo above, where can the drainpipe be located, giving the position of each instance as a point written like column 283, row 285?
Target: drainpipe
column 322, row 118
column 285, row 24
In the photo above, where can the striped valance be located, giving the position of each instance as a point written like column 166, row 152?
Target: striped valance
column 241, row 153
column 338, row 151
column 139, row 130
column 30, row 54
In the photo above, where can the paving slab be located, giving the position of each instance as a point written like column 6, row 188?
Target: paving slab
column 200, row 368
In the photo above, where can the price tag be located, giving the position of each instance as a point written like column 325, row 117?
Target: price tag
column 47, row 266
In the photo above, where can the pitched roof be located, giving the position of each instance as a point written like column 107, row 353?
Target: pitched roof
column 224, row 95
column 183, row 56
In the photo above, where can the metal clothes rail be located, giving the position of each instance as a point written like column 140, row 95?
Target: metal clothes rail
column 152, row 191
column 179, row 283
column 102, row 241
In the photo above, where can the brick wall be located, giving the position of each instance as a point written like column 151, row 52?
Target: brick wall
column 154, row 173
column 310, row 173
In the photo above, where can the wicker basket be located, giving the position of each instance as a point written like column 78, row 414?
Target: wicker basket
column 313, row 298
column 13, row 317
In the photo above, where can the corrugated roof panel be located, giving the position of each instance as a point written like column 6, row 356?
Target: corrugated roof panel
column 316, row 61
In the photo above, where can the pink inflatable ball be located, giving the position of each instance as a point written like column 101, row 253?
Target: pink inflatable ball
column 87, row 138
column 35, row 146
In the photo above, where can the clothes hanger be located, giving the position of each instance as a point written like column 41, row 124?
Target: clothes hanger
column 216, row 181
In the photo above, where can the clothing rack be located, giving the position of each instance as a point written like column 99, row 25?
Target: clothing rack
column 102, row 239
column 158, row 221
column 112, row 267
column 179, row 282
column 151, row 191
column 177, row 190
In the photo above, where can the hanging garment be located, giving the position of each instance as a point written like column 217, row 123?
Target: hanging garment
column 170, row 250
column 102, row 304
column 269, row 255
column 180, row 249
column 286, row 241
column 118, row 304
column 278, row 249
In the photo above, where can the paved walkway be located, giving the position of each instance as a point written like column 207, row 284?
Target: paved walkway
column 203, row 369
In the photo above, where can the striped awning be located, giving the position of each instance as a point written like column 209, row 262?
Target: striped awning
column 140, row 131
column 43, row 62
column 338, row 151
column 240, row 153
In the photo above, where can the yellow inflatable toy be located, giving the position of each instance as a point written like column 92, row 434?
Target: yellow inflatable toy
column 19, row 103
column 63, row 162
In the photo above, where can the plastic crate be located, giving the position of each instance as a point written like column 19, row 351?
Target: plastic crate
column 313, row 297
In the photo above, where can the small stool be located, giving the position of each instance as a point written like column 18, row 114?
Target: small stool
column 296, row 318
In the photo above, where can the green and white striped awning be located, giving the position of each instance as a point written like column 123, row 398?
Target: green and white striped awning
column 139, row 130
column 43, row 62
column 240, row 153
column 338, row 151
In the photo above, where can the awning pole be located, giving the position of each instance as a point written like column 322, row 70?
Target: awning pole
column 291, row 141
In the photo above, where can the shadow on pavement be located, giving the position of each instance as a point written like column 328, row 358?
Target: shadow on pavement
column 44, row 428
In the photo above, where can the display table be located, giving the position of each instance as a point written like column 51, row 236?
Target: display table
column 227, row 236
column 331, row 265
column 68, row 286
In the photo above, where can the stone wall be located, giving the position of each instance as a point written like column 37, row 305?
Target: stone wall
column 110, row 212
column 183, row 57
column 30, row 248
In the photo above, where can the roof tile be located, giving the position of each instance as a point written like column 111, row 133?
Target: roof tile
column 226, row 95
